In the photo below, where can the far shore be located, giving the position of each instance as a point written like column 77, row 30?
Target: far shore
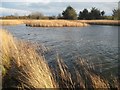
column 101, row 22
column 58, row 23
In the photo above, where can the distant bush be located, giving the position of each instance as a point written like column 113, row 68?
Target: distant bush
column 36, row 15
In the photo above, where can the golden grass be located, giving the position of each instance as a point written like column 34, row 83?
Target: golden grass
column 59, row 23
column 54, row 23
column 44, row 23
column 25, row 68
column 11, row 22
column 24, row 64
column 85, row 78
column 0, row 77
column 101, row 22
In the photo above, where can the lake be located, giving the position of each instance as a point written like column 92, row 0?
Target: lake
column 96, row 43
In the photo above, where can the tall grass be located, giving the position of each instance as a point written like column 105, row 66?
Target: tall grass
column 54, row 23
column 11, row 22
column 24, row 67
column 43, row 23
column 83, row 77
column 101, row 22
column 59, row 23
column 23, row 64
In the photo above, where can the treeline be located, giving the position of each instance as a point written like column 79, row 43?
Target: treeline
column 93, row 14
column 70, row 14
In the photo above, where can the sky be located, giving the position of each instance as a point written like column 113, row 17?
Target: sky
column 52, row 7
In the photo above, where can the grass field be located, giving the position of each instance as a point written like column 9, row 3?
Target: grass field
column 60, row 23
column 44, row 23
column 101, row 22
column 11, row 22
column 55, row 23
column 24, row 67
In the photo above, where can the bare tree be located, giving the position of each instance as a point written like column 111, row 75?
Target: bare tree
column 36, row 15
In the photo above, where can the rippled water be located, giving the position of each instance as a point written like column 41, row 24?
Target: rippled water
column 96, row 43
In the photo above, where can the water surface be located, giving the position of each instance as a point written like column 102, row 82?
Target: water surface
column 96, row 43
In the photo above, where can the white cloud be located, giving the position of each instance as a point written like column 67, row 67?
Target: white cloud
column 8, row 11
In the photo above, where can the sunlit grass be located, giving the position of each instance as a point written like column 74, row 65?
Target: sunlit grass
column 54, row 23
column 22, row 63
column 101, row 22
column 58, row 23
column 11, row 22
column 44, row 23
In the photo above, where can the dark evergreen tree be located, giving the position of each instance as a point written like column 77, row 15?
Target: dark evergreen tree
column 95, row 13
column 102, row 13
column 84, row 14
column 69, row 13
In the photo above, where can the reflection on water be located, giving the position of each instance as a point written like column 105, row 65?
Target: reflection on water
column 98, row 44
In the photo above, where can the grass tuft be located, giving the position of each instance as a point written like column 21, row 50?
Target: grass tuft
column 23, row 64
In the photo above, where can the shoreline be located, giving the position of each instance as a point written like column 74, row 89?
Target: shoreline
column 58, row 23
column 101, row 22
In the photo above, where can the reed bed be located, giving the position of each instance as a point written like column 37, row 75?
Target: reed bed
column 25, row 68
column 54, row 23
column 101, row 22
column 23, row 64
column 59, row 23
column 82, row 76
column 44, row 23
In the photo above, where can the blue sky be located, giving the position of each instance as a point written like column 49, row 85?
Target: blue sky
column 10, row 7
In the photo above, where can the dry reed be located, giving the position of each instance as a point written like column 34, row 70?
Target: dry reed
column 59, row 23
column 101, row 22
column 54, row 23
column 11, row 22
column 43, row 23
column 24, row 64
column 84, row 77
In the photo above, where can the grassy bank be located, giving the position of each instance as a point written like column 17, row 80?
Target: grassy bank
column 55, row 23
column 11, row 22
column 24, row 67
column 59, row 23
column 101, row 22
column 44, row 23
